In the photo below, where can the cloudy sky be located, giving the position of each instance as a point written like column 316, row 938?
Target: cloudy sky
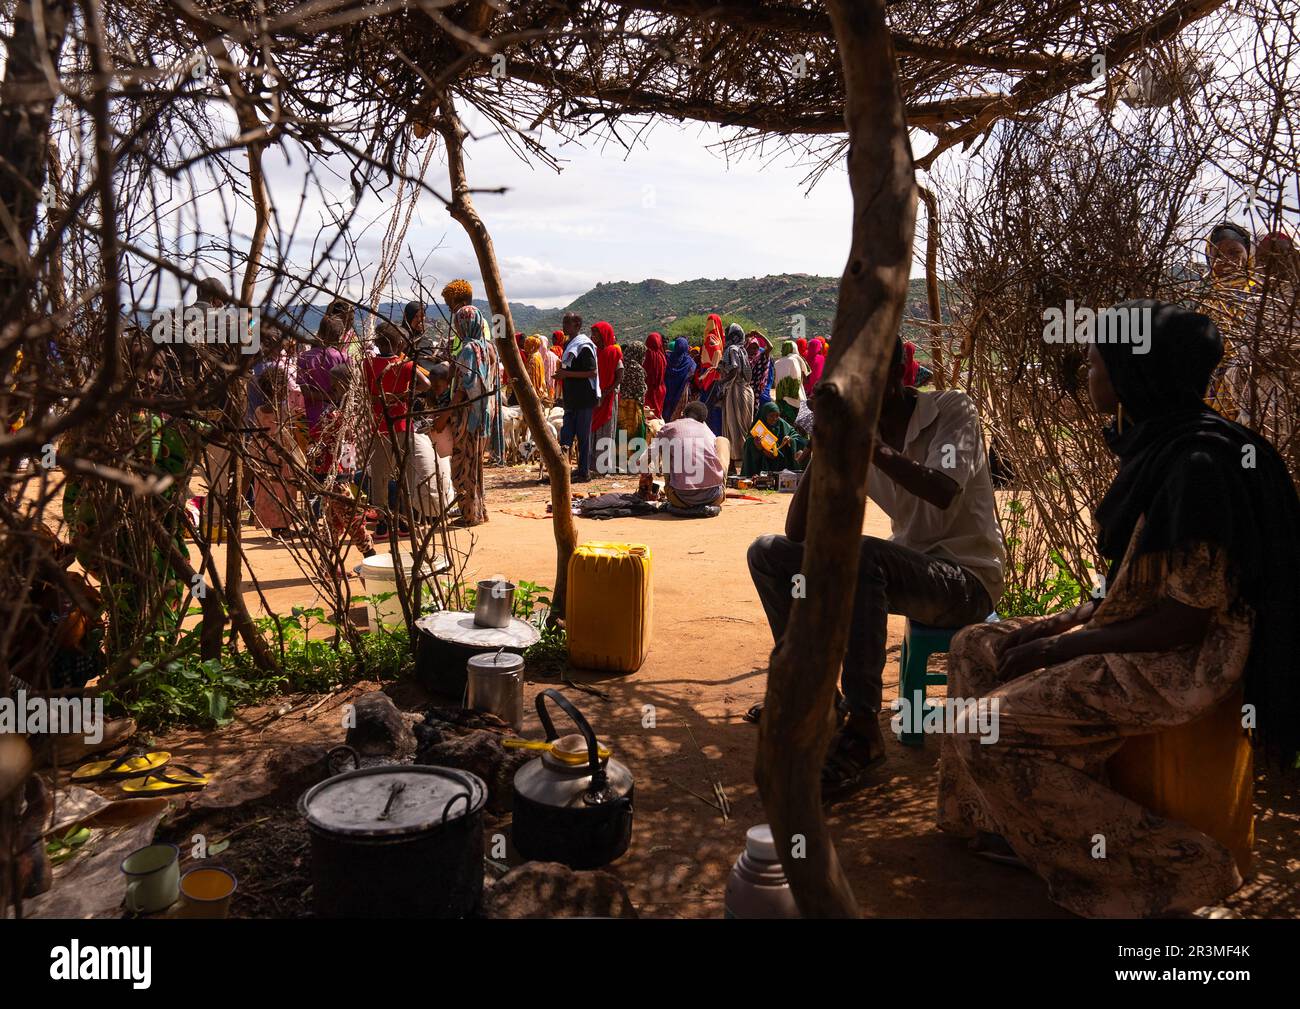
column 673, row 208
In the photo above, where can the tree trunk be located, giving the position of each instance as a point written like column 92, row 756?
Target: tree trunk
column 557, row 464
column 26, row 105
column 932, row 285
column 797, row 720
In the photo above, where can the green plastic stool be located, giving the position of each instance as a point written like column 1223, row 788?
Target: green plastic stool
column 920, row 641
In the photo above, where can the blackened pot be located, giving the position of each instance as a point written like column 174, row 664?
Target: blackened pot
column 569, row 805
column 396, row 841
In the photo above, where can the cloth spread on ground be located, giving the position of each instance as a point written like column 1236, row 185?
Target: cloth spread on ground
column 614, row 506
column 622, row 506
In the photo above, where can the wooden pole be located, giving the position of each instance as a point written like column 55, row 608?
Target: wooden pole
column 797, row 720
column 462, row 209
column 932, row 284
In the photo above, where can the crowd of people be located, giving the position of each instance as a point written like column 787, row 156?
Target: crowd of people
column 435, row 403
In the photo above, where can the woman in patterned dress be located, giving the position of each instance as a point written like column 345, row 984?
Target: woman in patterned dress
column 1198, row 613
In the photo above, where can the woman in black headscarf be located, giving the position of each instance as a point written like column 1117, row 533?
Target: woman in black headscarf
column 1196, row 618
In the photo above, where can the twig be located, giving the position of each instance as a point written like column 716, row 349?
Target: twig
column 688, row 791
column 723, row 806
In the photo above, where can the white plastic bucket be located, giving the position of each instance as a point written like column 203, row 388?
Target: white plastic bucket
column 381, row 578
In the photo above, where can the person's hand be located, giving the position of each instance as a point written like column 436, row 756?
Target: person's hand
column 1019, row 659
column 1045, row 627
column 1023, row 635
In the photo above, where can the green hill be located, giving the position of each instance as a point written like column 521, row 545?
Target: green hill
column 638, row 308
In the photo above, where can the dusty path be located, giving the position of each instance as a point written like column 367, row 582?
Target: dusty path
column 707, row 664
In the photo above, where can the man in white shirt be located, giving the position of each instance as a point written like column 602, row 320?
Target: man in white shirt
column 942, row 566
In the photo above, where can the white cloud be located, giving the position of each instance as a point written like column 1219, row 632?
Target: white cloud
column 671, row 208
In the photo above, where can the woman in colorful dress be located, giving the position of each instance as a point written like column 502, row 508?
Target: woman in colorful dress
column 535, row 357
column 759, row 349
column 609, row 364
column 788, row 374
column 656, row 370
column 474, row 391
column 631, row 404
column 785, row 449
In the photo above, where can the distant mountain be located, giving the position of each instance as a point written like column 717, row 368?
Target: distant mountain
column 636, row 308
column 525, row 316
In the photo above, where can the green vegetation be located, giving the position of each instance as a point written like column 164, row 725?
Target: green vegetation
column 637, row 308
column 532, row 603
column 692, row 327
column 1028, row 595
column 182, row 689
column 1040, row 597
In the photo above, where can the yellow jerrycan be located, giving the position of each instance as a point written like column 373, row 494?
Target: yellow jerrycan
column 1201, row 774
column 608, row 613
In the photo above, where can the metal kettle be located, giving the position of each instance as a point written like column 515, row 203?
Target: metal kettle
column 570, row 805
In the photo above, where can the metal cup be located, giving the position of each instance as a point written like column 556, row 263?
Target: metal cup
column 494, row 603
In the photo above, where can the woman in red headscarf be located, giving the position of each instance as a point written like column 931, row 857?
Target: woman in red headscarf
column 710, row 357
column 911, row 366
column 802, row 344
column 707, row 374
column 656, row 370
column 609, row 365
column 712, row 344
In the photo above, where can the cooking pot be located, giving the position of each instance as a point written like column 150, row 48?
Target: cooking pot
column 571, row 806
column 496, row 684
column 396, row 841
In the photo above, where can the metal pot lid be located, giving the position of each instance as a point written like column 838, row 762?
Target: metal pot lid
column 496, row 662
column 568, row 789
column 392, row 800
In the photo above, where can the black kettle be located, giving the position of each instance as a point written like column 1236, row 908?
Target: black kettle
column 571, row 806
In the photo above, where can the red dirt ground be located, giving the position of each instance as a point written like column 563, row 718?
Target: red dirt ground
column 706, row 665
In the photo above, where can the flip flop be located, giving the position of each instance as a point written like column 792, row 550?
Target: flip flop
column 178, row 779
column 130, row 765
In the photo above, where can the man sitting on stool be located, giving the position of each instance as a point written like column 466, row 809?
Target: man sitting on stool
column 942, row 565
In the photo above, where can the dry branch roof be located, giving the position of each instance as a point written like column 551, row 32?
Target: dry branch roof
column 769, row 68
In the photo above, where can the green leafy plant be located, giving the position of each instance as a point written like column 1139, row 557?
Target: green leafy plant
column 1058, row 590
column 60, row 849
column 185, row 690
column 533, row 603
column 1029, row 591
